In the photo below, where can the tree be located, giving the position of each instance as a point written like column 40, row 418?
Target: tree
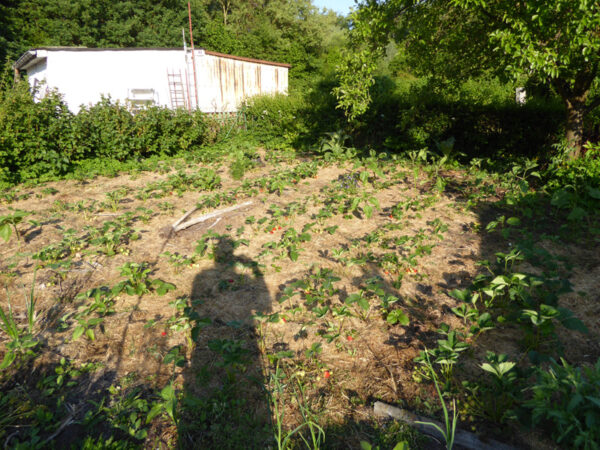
column 555, row 41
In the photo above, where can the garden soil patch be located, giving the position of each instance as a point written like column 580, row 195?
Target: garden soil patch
column 247, row 288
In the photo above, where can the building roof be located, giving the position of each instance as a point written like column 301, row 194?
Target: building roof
column 32, row 54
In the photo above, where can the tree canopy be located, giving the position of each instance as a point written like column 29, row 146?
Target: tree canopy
column 293, row 32
column 554, row 41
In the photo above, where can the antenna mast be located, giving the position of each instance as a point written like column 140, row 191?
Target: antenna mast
column 187, row 78
column 193, row 54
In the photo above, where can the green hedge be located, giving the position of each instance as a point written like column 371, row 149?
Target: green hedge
column 482, row 116
column 40, row 140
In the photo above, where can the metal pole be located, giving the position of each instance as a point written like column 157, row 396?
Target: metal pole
column 193, row 54
column 187, row 79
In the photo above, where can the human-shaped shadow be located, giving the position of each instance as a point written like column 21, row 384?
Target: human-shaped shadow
column 226, row 405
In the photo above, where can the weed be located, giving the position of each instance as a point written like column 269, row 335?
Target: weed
column 22, row 340
column 450, row 424
column 574, row 410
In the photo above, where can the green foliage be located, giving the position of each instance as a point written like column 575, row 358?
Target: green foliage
column 21, row 340
column 42, row 140
column 480, row 115
column 555, row 43
column 449, row 430
column 138, row 281
column 568, row 399
column 275, row 120
column 101, row 305
column 243, row 160
column 34, row 136
column 356, row 77
column 109, row 130
column 9, row 223
column 555, row 39
column 167, row 404
column 333, row 146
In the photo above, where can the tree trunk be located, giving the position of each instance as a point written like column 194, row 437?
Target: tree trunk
column 575, row 95
column 575, row 114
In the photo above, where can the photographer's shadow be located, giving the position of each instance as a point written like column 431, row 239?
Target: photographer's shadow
column 226, row 405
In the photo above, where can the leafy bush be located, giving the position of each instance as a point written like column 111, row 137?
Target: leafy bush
column 109, row 130
column 42, row 139
column 34, row 136
column 481, row 115
column 275, row 119
column 568, row 399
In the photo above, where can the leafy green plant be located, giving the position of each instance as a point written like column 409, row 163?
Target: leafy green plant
column 138, row 281
column 186, row 319
column 166, row 405
column 333, row 146
column 22, row 340
column 567, row 398
column 240, row 164
column 234, row 356
column 101, row 306
column 449, row 432
column 279, row 380
column 126, row 410
column 403, row 445
column 317, row 288
column 205, row 246
column 9, row 223
column 115, row 197
column 290, row 241
column 111, row 237
column 446, row 354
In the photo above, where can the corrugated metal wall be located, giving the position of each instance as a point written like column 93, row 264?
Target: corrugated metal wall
column 224, row 83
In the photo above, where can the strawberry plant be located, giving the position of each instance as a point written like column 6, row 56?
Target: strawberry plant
column 206, row 244
column 110, row 238
column 445, row 355
column 290, row 241
column 101, row 306
column 114, row 198
column 138, row 281
column 178, row 261
column 186, row 318
column 9, row 223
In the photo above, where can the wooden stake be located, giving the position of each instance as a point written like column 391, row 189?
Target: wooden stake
column 180, row 225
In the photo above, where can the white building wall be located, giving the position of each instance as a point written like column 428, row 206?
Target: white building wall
column 224, row 83
column 83, row 77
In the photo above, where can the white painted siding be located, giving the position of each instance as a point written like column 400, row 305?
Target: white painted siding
column 83, row 76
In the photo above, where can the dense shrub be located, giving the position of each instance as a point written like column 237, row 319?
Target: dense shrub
column 109, row 130
column 35, row 138
column 409, row 114
column 42, row 139
column 482, row 116
column 275, row 120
